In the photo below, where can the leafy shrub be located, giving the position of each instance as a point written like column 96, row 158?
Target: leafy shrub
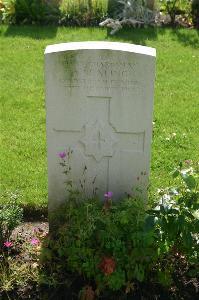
column 174, row 8
column 11, row 215
column 115, row 244
column 83, row 12
column 177, row 216
column 111, row 244
column 195, row 12
column 2, row 9
column 35, row 11
column 66, row 12
column 30, row 12
column 7, row 10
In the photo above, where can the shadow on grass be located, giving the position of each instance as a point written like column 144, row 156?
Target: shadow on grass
column 35, row 32
column 140, row 36
column 187, row 37
column 135, row 35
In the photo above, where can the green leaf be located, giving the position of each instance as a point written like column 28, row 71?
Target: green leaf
column 149, row 223
column 189, row 180
column 175, row 173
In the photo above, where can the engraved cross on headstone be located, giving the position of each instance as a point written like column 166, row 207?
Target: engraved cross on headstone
column 99, row 137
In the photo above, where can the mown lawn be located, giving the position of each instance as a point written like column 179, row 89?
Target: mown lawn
column 23, row 166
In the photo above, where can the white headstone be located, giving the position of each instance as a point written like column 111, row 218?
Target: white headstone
column 99, row 101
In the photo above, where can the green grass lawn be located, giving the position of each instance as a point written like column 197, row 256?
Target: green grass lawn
column 23, row 165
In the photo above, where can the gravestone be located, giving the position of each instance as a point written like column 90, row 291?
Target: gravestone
column 99, row 103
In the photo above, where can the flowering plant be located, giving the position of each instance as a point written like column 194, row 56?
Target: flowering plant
column 114, row 244
column 110, row 243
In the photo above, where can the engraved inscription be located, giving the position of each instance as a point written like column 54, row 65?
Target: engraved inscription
column 98, row 74
column 103, row 68
column 117, row 84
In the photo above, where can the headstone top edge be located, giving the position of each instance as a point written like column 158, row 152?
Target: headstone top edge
column 115, row 46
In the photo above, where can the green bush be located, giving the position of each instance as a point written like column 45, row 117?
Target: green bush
column 195, row 12
column 112, row 246
column 11, row 215
column 174, row 8
column 83, row 12
column 7, row 10
column 66, row 12
column 177, row 216
column 116, row 244
column 35, row 12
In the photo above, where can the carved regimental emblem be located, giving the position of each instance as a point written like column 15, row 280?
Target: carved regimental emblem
column 99, row 140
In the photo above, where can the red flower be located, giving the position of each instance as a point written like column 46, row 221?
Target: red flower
column 107, row 265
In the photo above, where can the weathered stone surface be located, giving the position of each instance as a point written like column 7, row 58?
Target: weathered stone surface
column 99, row 102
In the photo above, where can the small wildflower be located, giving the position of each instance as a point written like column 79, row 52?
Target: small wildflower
column 173, row 134
column 62, row 154
column 108, row 195
column 34, row 241
column 8, row 244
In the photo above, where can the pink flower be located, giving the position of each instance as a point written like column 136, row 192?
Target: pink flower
column 62, row 154
column 8, row 244
column 34, row 241
column 108, row 195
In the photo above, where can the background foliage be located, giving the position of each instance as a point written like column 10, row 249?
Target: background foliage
column 66, row 12
column 87, row 12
